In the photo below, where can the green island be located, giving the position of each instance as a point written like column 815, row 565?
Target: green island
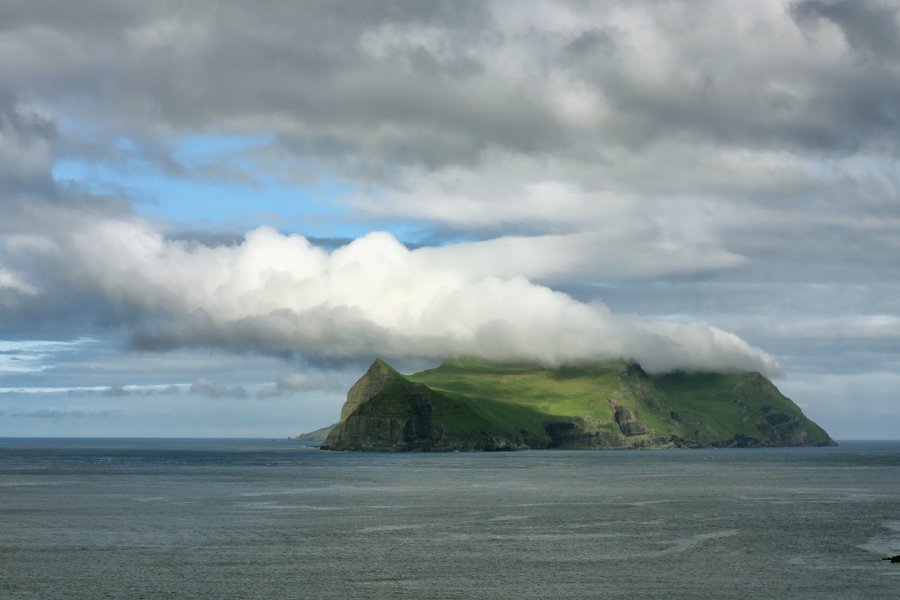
column 468, row 404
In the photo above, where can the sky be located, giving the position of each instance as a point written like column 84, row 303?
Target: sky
column 214, row 217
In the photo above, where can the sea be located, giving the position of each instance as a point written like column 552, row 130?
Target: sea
column 246, row 519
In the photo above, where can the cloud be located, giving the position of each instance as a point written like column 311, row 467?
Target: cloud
column 297, row 382
column 115, row 391
column 55, row 413
column 212, row 389
column 661, row 137
column 112, row 391
column 374, row 91
column 562, row 142
column 670, row 164
column 26, row 143
column 11, row 282
column 24, row 356
column 278, row 293
column 865, row 24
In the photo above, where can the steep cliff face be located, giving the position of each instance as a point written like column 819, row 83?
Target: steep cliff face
column 781, row 426
column 377, row 379
column 398, row 418
column 473, row 405
column 740, row 410
column 411, row 417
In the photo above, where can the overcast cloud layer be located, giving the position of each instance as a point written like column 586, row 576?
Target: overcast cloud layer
column 702, row 185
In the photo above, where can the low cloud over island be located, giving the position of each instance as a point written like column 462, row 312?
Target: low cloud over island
column 278, row 293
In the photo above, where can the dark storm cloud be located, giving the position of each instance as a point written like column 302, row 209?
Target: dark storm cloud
column 25, row 141
column 423, row 83
column 34, row 211
column 866, row 24
column 26, row 127
column 303, row 63
column 374, row 89
column 591, row 42
column 610, row 91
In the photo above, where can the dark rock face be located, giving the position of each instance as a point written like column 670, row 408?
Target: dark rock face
column 575, row 436
column 778, row 428
column 384, row 431
column 565, row 434
column 560, row 429
column 624, row 414
column 399, row 418
column 738, row 441
column 632, row 428
column 531, row 440
column 628, row 423
column 377, row 379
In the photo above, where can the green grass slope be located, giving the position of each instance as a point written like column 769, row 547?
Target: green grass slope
column 468, row 403
column 697, row 409
column 734, row 404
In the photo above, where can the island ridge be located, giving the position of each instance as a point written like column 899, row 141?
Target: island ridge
column 468, row 404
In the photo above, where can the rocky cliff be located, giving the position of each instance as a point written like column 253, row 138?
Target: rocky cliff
column 474, row 405
column 377, row 379
column 404, row 417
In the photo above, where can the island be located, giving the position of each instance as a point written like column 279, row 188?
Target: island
column 468, row 404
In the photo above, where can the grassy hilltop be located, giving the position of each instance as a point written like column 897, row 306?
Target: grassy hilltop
column 470, row 404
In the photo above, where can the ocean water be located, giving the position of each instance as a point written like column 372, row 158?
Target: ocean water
column 257, row 519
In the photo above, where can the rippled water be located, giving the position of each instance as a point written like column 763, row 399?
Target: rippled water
column 252, row 519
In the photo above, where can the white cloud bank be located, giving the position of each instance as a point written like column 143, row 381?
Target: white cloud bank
column 279, row 293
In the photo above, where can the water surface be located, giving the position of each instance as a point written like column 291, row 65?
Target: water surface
column 260, row 519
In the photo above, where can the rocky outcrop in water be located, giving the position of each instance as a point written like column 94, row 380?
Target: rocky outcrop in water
column 508, row 407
